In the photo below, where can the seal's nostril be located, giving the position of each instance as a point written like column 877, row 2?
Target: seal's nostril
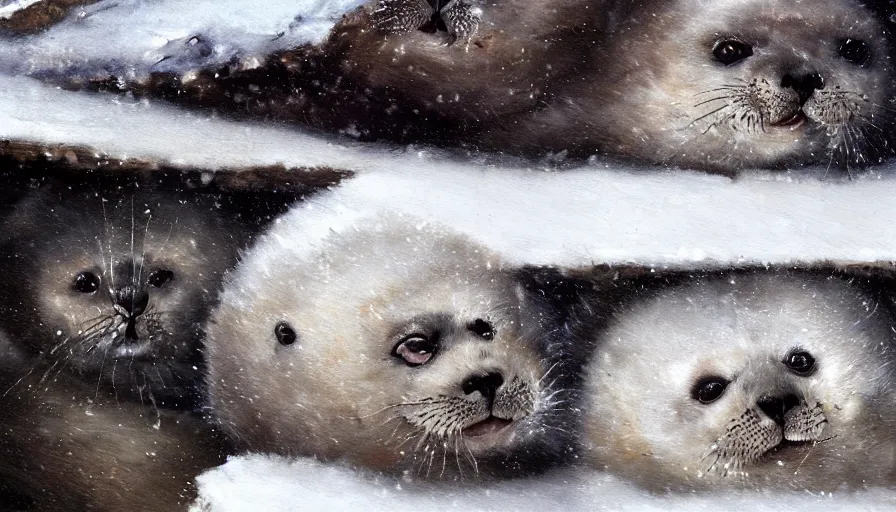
column 775, row 407
column 132, row 300
column 487, row 384
column 804, row 85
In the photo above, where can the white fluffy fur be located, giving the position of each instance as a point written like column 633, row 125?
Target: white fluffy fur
column 600, row 213
column 352, row 286
column 643, row 420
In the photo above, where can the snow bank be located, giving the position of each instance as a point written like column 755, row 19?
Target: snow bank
column 10, row 7
column 130, row 38
column 273, row 484
column 599, row 213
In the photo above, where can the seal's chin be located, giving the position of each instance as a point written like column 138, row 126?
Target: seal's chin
column 132, row 349
column 792, row 122
column 787, row 452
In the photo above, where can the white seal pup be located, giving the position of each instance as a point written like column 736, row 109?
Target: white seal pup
column 724, row 86
column 114, row 285
column 387, row 343
column 758, row 380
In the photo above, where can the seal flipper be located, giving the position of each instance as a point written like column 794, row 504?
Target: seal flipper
column 402, row 16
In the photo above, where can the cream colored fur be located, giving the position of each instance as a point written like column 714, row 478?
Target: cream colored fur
column 642, row 420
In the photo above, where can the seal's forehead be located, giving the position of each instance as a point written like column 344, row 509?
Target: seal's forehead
column 770, row 20
column 775, row 312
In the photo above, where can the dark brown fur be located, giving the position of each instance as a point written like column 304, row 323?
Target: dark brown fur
column 404, row 87
column 65, row 445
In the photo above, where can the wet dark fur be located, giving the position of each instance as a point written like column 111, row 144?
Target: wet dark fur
column 66, row 445
column 611, row 289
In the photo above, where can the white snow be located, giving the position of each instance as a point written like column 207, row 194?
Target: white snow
column 245, row 483
column 10, row 7
column 600, row 212
column 130, row 38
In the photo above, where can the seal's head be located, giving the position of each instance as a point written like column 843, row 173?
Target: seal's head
column 115, row 286
column 391, row 346
column 765, row 380
column 729, row 85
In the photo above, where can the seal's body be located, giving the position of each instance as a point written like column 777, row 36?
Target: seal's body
column 68, row 445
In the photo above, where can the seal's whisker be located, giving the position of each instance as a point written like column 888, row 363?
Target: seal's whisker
column 548, row 372
column 704, row 102
column 716, row 111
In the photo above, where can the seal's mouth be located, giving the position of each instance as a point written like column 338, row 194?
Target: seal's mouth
column 793, row 122
column 788, row 446
column 490, row 425
column 121, row 343
column 132, row 349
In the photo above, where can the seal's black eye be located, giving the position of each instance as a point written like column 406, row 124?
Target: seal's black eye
column 160, row 277
column 482, row 329
column 415, row 349
column 800, row 362
column 709, row 389
column 285, row 334
column 854, row 50
column 86, row 282
column 729, row 51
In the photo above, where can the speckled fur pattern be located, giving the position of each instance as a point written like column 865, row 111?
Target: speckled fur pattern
column 376, row 79
column 67, row 445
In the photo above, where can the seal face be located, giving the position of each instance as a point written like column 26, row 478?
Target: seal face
column 394, row 347
column 767, row 380
column 115, row 288
column 731, row 85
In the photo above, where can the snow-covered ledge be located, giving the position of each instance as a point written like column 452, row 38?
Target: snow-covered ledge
column 599, row 213
column 260, row 482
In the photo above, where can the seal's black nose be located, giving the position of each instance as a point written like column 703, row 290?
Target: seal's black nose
column 487, row 384
column 132, row 300
column 775, row 407
column 805, row 85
